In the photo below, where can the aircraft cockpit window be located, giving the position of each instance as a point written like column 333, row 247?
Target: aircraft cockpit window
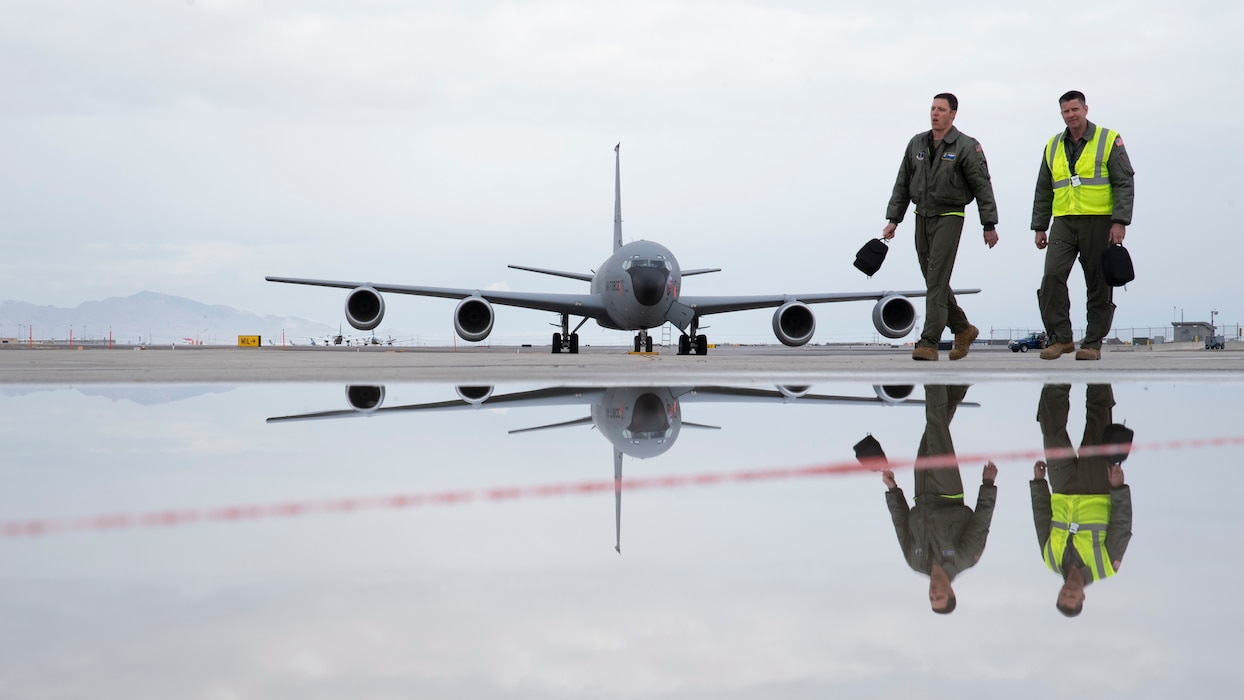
column 658, row 264
column 635, row 437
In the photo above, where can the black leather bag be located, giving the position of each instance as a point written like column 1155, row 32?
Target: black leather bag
column 870, row 257
column 1116, row 266
column 1116, row 442
column 869, row 453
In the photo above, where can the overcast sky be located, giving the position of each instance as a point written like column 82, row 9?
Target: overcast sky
column 191, row 148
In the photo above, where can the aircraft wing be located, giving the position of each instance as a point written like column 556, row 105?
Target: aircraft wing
column 557, row 396
column 574, row 304
column 704, row 305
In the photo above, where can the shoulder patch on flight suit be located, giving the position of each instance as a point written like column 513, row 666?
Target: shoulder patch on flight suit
column 1118, row 140
column 948, row 156
column 978, row 148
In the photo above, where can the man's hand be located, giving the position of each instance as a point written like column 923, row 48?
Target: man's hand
column 1038, row 470
column 991, row 237
column 991, row 472
column 887, row 478
column 1117, row 233
column 1041, row 240
column 887, row 232
column 1116, row 475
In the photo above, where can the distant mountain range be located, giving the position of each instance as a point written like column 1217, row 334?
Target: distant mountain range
column 150, row 317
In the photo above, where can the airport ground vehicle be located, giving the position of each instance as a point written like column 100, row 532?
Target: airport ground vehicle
column 1036, row 341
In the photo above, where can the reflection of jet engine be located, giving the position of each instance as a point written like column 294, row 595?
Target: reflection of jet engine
column 364, row 308
column 473, row 319
column 794, row 324
column 893, row 393
column 894, row 316
column 792, row 392
column 364, row 398
column 474, row 395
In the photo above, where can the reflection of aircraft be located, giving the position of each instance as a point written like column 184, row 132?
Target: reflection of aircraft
column 637, row 288
column 641, row 422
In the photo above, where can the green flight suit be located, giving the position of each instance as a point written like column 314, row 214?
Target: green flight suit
column 940, row 528
column 1083, row 235
column 1073, row 474
column 941, row 178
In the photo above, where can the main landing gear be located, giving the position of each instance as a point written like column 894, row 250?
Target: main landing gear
column 689, row 342
column 567, row 340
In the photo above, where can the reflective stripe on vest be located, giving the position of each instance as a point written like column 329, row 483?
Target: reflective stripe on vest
column 1082, row 520
column 1093, row 195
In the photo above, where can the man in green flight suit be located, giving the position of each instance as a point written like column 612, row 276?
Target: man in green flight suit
column 1086, row 184
column 941, row 535
column 942, row 171
column 1084, row 527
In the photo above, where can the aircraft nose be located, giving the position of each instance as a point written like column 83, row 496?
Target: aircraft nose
column 649, row 284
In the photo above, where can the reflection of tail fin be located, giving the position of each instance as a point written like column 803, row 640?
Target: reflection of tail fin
column 617, row 501
column 617, row 196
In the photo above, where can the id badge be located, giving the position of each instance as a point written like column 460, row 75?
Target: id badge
column 1075, row 180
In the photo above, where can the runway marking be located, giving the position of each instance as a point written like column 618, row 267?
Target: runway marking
column 114, row 522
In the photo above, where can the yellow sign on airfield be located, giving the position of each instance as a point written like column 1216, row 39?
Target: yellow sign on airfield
column 248, row 341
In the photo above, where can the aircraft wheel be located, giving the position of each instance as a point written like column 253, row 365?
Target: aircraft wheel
column 574, row 343
column 701, row 345
column 637, row 342
column 1023, row 348
column 684, row 345
column 648, row 344
column 557, row 342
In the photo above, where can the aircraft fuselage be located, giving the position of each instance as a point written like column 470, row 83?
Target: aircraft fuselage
column 637, row 285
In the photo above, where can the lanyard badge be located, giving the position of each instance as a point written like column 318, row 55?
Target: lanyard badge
column 1075, row 180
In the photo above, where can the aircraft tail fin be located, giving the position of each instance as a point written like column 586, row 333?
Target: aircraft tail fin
column 617, row 196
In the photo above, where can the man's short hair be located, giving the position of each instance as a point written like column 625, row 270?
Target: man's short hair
column 1072, row 95
column 1070, row 611
column 950, row 606
column 951, row 99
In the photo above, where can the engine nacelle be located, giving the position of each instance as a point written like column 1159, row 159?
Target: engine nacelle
column 792, row 392
column 364, row 308
column 474, row 395
column 364, row 398
column 794, row 323
column 894, row 316
column 891, row 394
column 473, row 319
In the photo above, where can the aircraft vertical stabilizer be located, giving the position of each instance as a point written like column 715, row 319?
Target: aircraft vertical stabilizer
column 617, row 196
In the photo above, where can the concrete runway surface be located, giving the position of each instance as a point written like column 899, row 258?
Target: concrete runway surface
column 603, row 365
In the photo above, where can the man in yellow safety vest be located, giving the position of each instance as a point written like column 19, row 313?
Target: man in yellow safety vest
column 1086, row 184
column 1084, row 527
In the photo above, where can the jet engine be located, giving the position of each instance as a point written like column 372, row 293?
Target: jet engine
column 891, row 394
column 894, row 316
column 794, row 324
column 474, row 395
column 792, row 392
column 473, row 319
column 364, row 308
column 364, row 398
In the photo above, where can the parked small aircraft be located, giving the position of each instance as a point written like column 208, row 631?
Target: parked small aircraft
column 637, row 288
column 640, row 422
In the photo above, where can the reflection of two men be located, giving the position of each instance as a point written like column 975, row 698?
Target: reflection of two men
column 1085, row 525
column 941, row 535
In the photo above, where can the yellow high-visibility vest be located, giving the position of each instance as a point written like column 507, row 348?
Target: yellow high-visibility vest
column 1087, row 190
column 1083, row 521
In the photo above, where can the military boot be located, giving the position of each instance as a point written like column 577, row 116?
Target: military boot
column 924, row 354
column 962, row 341
column 1057, row 350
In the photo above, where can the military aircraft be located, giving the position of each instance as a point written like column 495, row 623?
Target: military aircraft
column 640, row 422
column 637, row 288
